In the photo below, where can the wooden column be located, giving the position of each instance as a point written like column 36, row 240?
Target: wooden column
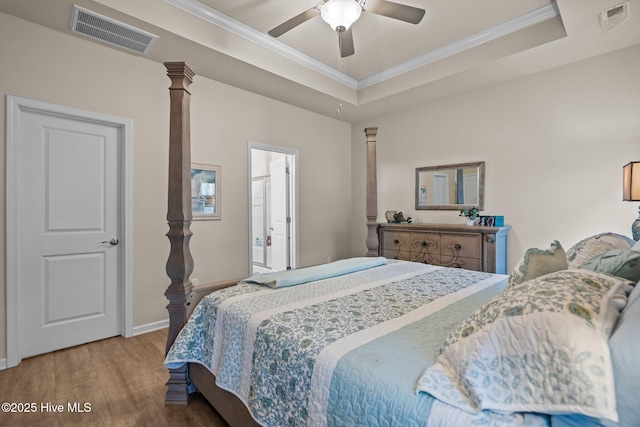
column 180, row 262
column 372, row 193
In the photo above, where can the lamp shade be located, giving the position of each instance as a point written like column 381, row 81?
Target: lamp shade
column 631, row 182
column 340, row 14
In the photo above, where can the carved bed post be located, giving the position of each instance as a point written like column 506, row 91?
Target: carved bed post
column 372, row 193
column 180, row 262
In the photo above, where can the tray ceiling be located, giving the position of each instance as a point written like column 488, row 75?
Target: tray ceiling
column 458, row 45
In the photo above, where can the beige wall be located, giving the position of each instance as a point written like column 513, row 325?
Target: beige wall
column 554, row 145
column 48, row 66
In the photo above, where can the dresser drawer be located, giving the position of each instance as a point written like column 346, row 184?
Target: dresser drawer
column 468, row 263
column 396, row 254
column 425, row 243
column 465, row 245
column 400, row 240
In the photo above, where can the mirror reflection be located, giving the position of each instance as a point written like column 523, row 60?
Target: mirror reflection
column 450, row 187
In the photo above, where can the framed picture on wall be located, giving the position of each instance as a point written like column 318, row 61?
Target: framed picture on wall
column 205, row 191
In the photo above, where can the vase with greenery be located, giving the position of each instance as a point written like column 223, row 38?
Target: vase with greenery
column 471, row 214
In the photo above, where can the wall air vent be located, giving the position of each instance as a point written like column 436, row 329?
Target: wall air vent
column 111, row 31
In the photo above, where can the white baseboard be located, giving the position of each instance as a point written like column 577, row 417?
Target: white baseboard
column 3, row 364
column 150, row 327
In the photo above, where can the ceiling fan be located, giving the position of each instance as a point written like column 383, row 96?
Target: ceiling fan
column 341, row 14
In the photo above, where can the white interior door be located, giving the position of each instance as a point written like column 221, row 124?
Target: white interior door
column 470, row 188
column 280, row 215
column 441, row 189
column 258, row 221
column 69, row 206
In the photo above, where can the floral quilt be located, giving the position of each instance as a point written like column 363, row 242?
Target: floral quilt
column 280, row 350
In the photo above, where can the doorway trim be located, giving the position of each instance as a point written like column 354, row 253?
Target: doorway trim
column 294, row 197
column 15, row 106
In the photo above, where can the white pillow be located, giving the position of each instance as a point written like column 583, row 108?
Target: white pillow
column 541, row 346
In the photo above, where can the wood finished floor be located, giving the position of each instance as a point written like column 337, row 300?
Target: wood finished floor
column 122, row 379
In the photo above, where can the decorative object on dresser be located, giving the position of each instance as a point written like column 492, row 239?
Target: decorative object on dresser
column 390, row 215
column 448, row 245
column 396, row 217
column 450, row 187
column 491, row 220
column 631, row 191
column 471, row 214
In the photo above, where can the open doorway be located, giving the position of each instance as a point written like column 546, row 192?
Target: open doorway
column 272, row 208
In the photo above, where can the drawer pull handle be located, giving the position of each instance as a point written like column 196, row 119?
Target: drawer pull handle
column 458, row 246
column 396, row 241
column 424, row 243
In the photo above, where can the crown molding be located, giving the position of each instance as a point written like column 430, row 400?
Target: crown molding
column 236, row 27
column 524, row 21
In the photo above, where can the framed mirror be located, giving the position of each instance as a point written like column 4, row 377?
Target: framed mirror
column 451, row 187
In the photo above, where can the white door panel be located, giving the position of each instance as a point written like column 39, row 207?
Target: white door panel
column 470, row 188
column 72, row 203
column 441, row 189
column 280, row 255
column 79, row 275
column 69, row 207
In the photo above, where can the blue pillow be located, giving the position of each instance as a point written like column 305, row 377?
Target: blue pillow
column 625, row 354
column 623, row 263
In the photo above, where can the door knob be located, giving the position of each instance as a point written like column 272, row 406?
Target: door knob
column 112, row 242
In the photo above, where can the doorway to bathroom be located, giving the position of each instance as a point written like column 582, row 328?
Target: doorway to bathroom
column 272, row 208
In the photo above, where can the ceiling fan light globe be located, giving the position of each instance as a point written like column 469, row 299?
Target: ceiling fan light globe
column 340, row 13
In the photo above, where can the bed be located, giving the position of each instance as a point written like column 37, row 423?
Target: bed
column 375, row 342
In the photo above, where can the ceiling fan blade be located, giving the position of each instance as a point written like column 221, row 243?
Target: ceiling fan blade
column 294, row 22
column 402, row 12
column 345, row 42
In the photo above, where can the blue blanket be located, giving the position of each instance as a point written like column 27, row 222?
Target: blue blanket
column 282, row 279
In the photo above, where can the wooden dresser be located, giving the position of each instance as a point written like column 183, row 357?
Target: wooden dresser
column 462, row 246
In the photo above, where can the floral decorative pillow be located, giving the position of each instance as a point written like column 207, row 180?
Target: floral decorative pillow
column 594, row 246
column 540, row 346
column 538, row 262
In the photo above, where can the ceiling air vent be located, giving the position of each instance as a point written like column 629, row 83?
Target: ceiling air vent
column 111, row 31
column 613, row 16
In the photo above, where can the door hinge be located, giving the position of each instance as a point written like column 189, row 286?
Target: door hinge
column 288, row 220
